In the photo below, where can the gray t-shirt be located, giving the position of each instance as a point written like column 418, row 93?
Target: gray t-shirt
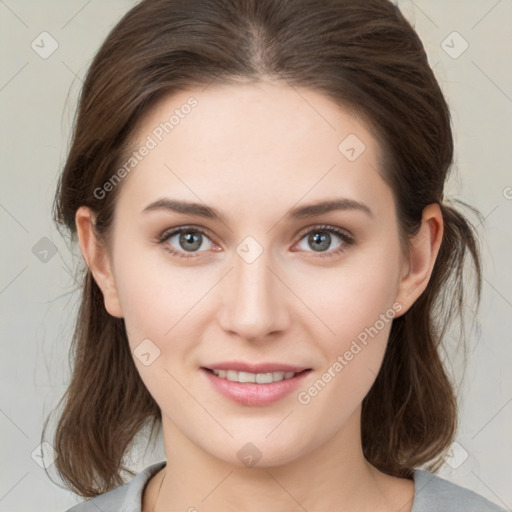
column 431, row 494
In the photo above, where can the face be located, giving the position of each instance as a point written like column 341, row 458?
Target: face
column 268, row 282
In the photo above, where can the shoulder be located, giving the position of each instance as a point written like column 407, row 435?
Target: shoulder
column 125, row 498
column 433, row 494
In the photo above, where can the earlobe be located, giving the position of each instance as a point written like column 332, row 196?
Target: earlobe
column 97, row 259
column 424, row 248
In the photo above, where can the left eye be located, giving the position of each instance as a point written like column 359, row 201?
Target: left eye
column 320, row 238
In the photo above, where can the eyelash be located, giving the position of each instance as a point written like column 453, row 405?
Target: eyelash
column 344, row 236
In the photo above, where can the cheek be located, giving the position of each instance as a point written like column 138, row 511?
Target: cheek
column 154, row 294
column 157, row 304
column 357, row 306
column 352, row 297
column 361, row 322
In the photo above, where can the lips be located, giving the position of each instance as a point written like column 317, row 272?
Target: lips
column 240, row 366
column 264, row 390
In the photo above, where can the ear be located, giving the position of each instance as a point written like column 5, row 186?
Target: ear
column 97, row 258
column 424, row 247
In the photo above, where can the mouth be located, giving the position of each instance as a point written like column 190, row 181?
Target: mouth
column 255, row 388
column 255, row 378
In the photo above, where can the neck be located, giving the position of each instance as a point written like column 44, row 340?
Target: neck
column 331, row 476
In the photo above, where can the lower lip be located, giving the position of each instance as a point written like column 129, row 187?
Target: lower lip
column 252, row 394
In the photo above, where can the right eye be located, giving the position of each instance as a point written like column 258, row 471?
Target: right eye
column 188, row 239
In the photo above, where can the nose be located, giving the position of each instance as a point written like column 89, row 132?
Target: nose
column 255, row 300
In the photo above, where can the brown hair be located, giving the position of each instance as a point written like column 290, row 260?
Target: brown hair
column 365, row 56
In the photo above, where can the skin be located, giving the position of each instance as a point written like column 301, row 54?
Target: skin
column 253, row 152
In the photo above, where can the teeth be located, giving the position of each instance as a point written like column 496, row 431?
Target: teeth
column 259, row 378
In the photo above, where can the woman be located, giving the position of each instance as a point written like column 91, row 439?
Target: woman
column 257, row 190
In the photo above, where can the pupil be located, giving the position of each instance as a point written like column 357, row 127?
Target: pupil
column 189, row 237
column 320, row 241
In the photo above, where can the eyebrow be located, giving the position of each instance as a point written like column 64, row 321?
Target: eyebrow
column 300, row 212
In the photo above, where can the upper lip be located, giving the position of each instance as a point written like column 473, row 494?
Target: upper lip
column 241, row 366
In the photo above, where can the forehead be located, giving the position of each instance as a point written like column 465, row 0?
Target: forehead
column 248, row 142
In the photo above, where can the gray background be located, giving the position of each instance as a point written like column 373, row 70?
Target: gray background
column 37, row 298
